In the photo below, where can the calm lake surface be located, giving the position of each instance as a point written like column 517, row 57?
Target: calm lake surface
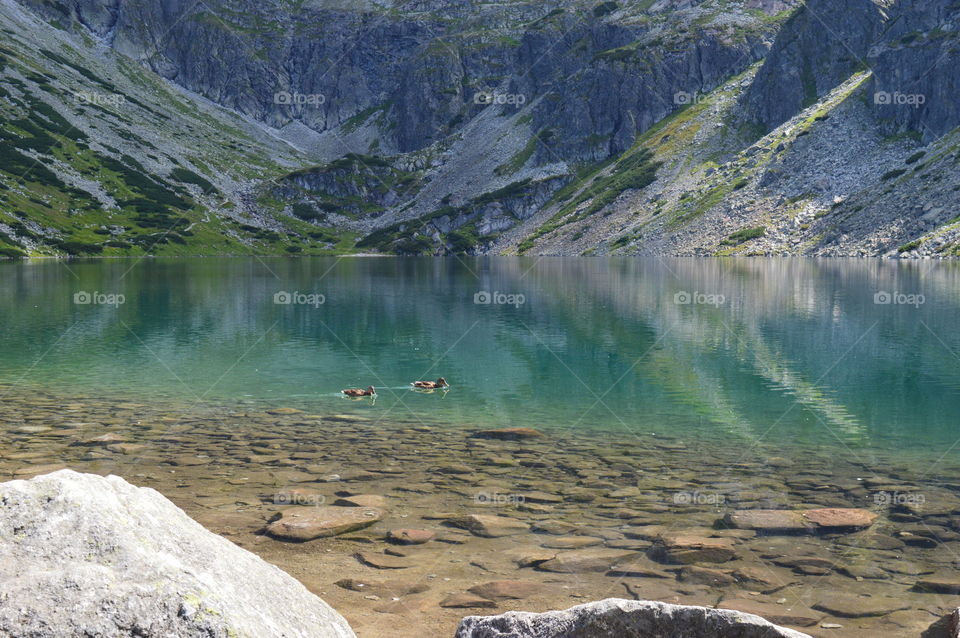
column 672, row 394
column 780, row 350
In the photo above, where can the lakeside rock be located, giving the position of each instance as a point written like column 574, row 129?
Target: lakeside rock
column 509, row 434
column 307, row 523
column 627, row 619
column 92, row 552
column 812, row 521
column 489, row 526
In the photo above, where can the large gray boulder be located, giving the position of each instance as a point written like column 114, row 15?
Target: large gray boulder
column 84, row 555
column 624, row 619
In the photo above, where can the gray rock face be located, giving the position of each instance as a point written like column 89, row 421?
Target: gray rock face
column 416, row 72
column 624, row 619
column 911, row 47
column 819, row 47
column 84, row 555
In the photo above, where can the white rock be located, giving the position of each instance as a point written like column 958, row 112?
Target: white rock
column 84, row 555
column 630, row 618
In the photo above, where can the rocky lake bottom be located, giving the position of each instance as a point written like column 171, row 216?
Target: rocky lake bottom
column 415, row 524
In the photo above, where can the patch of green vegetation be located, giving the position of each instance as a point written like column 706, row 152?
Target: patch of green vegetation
column 413, row 237
column 634, row 170
column 361, row 118
column 519, row 159
column 186, row 176
column 916, row 157
column 605, row 8
column 914, row 136
column 913, row 245
column 744, row 235
column 893, row 174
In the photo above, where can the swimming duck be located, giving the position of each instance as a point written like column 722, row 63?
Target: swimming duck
column 354, row 392
column 431, row 385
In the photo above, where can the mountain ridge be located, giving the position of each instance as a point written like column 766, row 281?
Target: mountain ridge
column 442, row 127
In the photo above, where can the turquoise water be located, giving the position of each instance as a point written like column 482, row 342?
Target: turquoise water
column 779, row 350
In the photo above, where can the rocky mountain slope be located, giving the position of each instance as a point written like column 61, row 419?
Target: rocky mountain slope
column 437, row 127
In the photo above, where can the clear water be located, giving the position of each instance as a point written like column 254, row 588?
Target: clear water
column 792, row 351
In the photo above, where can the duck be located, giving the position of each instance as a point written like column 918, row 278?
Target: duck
column 431, row 385
column 355, row 392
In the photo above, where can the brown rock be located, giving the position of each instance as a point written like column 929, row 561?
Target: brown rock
column 839, row 518
column 769, row 521
column 280, row 411
column 362, row 500
column 509, row 434
column 938, row 585
column 410, row 536
column 512, row 589
column 489, row 526
column 831, row 519
column 638, row 568
column 795, row 615
column 467, row 601
column 383, row 588
column 382, row 561
column 307, row 523
column 853, row 606
column 530, row 558
column 102, row 440
column 541, row 497
column 586, row 560
column 571, row 542
column 704, row 576
column 686, row 549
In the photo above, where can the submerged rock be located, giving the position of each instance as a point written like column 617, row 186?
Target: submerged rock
column 624, row 619
column 509, row 434
column 306, row 523
column 832, row 519
column 489, row 526
column 92, row 555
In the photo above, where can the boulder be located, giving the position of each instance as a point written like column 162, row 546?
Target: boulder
column 624, row 619
column 98, row 556
column 306, row 523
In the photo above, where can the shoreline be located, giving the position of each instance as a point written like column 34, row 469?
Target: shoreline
column 587, row 497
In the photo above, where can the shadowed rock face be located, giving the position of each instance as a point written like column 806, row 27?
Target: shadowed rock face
column 911, row 48
column 624, row 619
column 418, row 69
column 84, row 551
